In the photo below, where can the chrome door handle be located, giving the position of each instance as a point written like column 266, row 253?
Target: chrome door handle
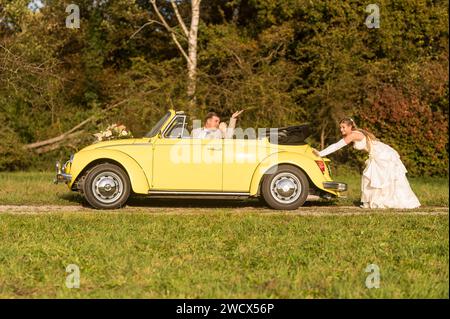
column 214, row 149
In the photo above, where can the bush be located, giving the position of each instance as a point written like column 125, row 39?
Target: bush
column 13, row 156
column 411, row 115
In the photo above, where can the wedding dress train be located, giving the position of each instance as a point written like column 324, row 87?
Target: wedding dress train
column 384, row 183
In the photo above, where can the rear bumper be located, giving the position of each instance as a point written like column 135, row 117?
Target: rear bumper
column 335, row 186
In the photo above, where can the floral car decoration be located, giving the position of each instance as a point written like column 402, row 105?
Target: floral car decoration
column 113, row 131
column 277, row 166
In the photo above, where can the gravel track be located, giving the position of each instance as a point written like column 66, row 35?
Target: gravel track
column 166, row 209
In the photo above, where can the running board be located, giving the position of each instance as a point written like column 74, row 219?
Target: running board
column 211, row 195
column 200, row 194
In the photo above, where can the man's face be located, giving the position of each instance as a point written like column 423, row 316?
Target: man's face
column 213, row 122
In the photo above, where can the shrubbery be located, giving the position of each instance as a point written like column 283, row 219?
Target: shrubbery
column 13, row 156
column 286, row 62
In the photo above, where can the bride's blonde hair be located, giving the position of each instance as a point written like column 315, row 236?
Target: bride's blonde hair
column 369, row 136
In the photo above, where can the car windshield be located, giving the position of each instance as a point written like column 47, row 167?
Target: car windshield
column 155, row 129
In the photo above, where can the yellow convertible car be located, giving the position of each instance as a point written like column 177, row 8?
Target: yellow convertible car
column 276, row 166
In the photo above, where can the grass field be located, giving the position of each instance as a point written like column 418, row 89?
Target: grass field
column 223, row 255
column 36, row 188
column 176, row 249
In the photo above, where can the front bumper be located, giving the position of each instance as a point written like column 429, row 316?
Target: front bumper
column 61, row 176
column 335, row 186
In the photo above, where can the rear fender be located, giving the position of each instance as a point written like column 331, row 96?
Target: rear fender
column 305, row 163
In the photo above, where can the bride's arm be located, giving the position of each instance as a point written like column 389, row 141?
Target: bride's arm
column 332, row 148
column 338, row 145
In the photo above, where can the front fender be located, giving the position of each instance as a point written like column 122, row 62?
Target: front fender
column 305, row 163
column 138, row 179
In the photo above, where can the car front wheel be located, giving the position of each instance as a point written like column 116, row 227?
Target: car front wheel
column 106, row 186
column 285, row 189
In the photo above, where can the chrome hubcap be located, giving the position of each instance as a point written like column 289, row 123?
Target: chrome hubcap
column 285, row 188
column 107, row 187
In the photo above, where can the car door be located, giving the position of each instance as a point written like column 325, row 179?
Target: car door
column 241, row 160
column 182, row 163
column 239, row 163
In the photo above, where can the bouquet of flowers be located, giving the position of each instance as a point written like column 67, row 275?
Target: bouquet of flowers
column 113, row 131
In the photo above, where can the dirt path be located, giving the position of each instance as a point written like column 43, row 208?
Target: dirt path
column 166, row 209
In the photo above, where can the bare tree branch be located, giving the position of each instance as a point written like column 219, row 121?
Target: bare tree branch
column 143, row 26
column 172, row 33
column 157, row 22
column 180, row 20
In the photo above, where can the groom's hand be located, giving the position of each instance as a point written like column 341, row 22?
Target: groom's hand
column 316, row 152
column 236, row 114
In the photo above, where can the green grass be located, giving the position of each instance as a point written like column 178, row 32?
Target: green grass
column 223, row 255
column 215, row 250
column 36, row 188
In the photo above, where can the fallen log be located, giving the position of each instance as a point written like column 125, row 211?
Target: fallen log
column 54, row 146
column 61, row 137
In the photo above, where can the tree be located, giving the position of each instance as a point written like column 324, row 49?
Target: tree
column 191, row 36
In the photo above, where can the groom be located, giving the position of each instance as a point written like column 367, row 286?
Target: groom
column 214, row 129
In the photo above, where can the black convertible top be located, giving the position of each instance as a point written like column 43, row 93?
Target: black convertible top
column 290, row 135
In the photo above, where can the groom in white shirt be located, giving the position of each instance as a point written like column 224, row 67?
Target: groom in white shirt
column 214, row 129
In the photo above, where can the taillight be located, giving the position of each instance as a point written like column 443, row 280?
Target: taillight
column 321, row 165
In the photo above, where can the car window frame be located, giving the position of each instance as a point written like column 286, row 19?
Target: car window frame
column 169, row 126
column 157, row 128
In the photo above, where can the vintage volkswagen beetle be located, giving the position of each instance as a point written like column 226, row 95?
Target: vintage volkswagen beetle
column 277, row 166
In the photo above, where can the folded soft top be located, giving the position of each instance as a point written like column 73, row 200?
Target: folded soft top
column 291, row 135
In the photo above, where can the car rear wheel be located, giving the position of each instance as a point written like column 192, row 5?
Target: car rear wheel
column 285, row 189
column 106, row 186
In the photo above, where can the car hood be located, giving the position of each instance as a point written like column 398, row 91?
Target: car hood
column 112, row 143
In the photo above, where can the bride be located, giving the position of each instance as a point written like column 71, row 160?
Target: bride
column 384, row 183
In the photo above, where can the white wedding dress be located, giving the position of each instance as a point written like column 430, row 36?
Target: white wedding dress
column 384, row 183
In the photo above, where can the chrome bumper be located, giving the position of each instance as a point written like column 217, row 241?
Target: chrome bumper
column 60, row 176
column 335, row 186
